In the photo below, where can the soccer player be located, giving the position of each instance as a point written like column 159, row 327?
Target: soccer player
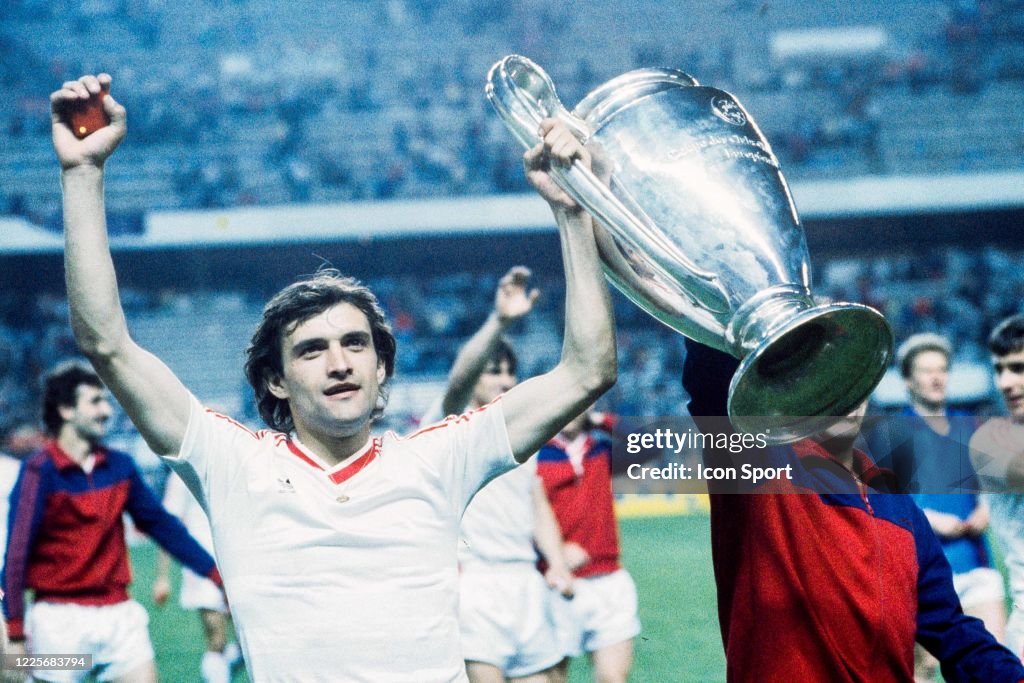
column 9, row 469
column 825, row 576
column 338, row 549
column 997, row 449
column 945, row 485
column 67, row 539
column 197, row 592
column 601, row 619
column 507, row 611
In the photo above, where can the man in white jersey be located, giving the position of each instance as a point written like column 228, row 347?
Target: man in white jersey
column 338, row 550
column 9, row 469
column 197, row 592
column 506, row 609
column 997, row 452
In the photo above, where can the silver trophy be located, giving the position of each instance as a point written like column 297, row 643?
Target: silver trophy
column 700, row 230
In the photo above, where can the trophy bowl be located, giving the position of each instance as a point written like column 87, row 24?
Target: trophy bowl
column 697, row 226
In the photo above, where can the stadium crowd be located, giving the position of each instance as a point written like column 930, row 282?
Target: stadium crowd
column 958, row 292
column 282, row 120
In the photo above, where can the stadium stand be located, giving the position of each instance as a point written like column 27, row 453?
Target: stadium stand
column 958, row 292
column 283, row 102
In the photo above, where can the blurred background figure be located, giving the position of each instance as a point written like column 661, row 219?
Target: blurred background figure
column 198, row 593
column 601, row 619
column 998, row 453
column 944, row 485
column 507, row 611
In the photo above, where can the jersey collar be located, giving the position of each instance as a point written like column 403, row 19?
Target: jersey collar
column 63, row 461
column 344, row 470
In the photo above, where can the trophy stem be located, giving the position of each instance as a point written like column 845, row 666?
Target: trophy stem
column 764, row 312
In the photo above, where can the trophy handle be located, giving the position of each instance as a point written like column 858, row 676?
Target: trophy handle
column 523, row 95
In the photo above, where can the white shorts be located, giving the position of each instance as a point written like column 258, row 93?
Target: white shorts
column 507, row 618
column 198, row 592
column 117, row 637
column 979, row 586
column 602, row 613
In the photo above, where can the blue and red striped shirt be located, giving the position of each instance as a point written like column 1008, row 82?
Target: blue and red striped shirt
column 827, row 577
column 581, row 498
column 66, row 531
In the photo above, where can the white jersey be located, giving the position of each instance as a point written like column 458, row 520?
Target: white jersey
column 999, row 441
column 1007, row 517
column 10, row 468
column 346, row 572
column 180, row 502
column 498, row 524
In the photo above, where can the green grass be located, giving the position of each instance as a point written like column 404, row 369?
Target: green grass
column 177, row 635
column 669, row 558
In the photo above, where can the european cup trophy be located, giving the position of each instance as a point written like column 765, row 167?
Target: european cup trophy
column 700, row 230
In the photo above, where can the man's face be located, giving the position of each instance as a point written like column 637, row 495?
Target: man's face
column 929, row 373
column 91, row 413
column 496, row 379
column 331, row 375
column 1009, row 376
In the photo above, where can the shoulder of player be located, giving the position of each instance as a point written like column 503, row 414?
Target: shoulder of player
column 442, row 426
column 39, row 460
column 600, row 440
column 224, row 420
column 998, row 433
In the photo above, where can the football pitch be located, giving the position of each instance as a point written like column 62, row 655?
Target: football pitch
column 669, row 558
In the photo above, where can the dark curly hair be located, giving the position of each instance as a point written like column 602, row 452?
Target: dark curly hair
column 294, row 305
column 504, row 352
column 1008, row 337
column 60, row 388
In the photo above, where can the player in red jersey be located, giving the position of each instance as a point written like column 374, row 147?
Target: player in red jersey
column 67, row 539
column 601, row 619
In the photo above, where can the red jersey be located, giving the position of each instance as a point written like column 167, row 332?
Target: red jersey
column 577, row 480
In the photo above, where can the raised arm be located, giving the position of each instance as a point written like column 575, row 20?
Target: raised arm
column 152, row 396
column 538, row 408
column 512, row 300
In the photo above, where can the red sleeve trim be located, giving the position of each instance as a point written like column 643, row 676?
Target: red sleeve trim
column 454, row 419
column 15, row 629
column 214, row 575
